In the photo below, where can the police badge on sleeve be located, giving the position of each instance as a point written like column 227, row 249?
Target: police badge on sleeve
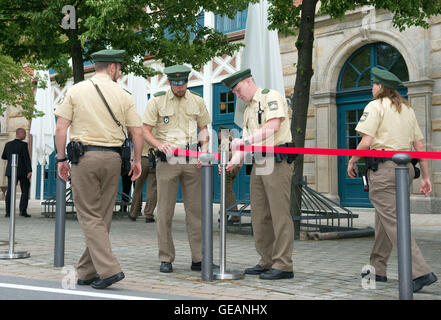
column 364, row 116
column 272, row 105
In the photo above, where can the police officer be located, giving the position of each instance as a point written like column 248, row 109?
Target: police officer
column 266, row 122
column 95, row 177
column 177, row 114
column 149, row 173
column 389, row 123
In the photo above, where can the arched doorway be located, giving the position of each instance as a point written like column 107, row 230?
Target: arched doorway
column 353, row 94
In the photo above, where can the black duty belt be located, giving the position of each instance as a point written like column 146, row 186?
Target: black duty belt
column 279, row 157
column 372, row 162
column 101, row 148
column 194, row 147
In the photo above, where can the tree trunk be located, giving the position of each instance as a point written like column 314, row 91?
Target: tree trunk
column 304, row 44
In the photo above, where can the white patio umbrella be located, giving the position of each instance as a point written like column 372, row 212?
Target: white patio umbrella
column 43, row 128
column 261, row 54
column 137, row 86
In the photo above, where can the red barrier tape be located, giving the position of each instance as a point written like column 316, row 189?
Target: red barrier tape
column 344, row 152
column 322, row 151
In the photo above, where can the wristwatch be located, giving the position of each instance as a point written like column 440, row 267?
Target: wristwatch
column 60, row 160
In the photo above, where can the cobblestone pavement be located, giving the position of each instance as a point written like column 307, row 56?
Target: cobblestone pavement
column 324, row 269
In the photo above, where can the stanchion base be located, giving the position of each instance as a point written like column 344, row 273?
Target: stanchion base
column 228, row 275
column 15, row 255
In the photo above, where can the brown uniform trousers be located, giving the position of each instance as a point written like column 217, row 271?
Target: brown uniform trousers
column 151, row 196
column 230, row 197
column 190, row 178
column 382, row 194
column 271, row 218
column 95, row 182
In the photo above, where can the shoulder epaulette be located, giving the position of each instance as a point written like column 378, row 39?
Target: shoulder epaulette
column 195, row 93
column 160, row 93
column 265, row 91
column 127, row 91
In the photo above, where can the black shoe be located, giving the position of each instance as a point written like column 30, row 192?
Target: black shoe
column 7, row 215
column 166, row 267
column 275, row 274
column 87, row 282
column 149, row 220
column 104, row 283
column 131, row 218
column 25, row 214
column 377, row 277
column 257, row 269
column 422, row 281
column 197, row 266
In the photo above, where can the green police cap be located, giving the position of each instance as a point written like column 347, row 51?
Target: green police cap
column 386, row 78
column 232, row 80
column 110, row 55
column 177, row 73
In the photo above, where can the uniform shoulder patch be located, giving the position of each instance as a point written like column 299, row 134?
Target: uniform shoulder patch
column 199, row 95
column 265, row 91
column 272, row 105
column 160, row 93
column 364, row 116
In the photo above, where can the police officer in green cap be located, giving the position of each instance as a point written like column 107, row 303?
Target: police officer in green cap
column 95, row 174
column 389, row 123
column 266, row 123
column 176, row 115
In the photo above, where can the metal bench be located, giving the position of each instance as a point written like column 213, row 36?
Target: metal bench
column 49, row 205
column 243, row 211
column 318, row 213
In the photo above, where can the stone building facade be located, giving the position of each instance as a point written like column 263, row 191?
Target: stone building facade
column 335, row 42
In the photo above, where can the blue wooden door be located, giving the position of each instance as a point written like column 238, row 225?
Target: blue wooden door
column 224, row 103
column 349, row 112
column 354, row 92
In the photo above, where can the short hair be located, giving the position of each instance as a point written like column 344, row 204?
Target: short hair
column 101, row 65
column 20, row 130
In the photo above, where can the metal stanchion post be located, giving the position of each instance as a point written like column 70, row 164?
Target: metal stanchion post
column 60, row 221
column 403, row 226
column 207, row 216
column 223, row 274
column 11, row 254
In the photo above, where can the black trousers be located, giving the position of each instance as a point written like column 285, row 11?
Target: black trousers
column 24, row 186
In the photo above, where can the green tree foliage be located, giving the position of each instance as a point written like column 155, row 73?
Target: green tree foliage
column 285, row 16
column 32, row 30
column 16, row 85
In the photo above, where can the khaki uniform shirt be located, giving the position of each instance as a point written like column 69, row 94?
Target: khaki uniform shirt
column 92, row 123
column 391, row 130
column 176, row 120
column 274, row 105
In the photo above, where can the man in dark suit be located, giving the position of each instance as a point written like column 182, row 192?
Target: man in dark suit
column 24, row 170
